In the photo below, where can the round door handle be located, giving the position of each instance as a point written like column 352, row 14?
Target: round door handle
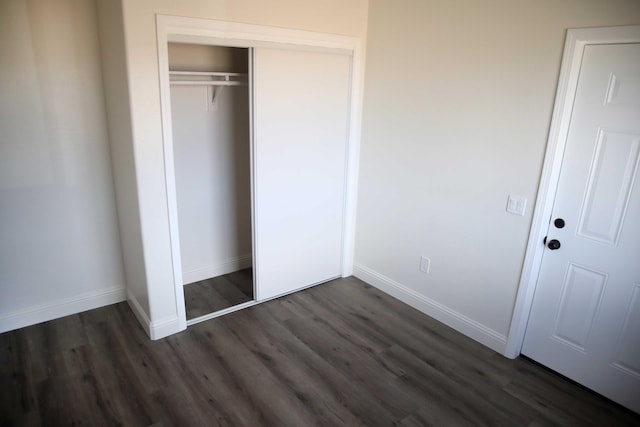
column 554, row 244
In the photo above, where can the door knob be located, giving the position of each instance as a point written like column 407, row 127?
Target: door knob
column 553, row 244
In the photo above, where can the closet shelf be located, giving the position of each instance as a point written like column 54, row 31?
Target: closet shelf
column 199, row 78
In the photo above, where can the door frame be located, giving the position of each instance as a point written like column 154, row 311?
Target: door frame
column 223, row 33
column 575, row 43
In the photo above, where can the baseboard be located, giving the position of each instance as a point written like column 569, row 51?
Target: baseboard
column 442, row 313
column 139, row 312
column 225, row 267
column 157, row 329
column 61, row 308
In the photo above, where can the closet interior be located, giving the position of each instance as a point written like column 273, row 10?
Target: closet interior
column 210, row 113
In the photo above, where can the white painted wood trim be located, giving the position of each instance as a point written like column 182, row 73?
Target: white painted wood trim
column 139, row 312
column 576, row 41
column 164, row 327
column 156, row 329
column 225, row 267
column 353, row 161
column 440, row 312
column 61, row 308
column 214, row 32
column 210, row 31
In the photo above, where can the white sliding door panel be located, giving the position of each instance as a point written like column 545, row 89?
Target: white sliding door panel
column 301, row 131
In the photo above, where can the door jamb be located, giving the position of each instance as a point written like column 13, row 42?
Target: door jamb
column 575, row 43
column 213, row 32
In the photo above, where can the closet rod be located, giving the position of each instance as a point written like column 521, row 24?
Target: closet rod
column 204, row 73
column 206, row 78
column 206, row 83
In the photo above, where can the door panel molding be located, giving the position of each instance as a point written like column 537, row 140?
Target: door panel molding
column 571, row 328
column 575, row 43
column 607, row 229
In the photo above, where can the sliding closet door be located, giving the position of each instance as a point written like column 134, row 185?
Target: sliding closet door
column 301, row 120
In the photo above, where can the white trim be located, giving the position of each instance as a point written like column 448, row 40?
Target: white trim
column 139, row 312
column 225, row 267
column 213, row 32
column 576, row 41
column 158, row 328
column 61, row 308
column 461, row 323
column 210, row 31
column 353, row 162
column 164, row 327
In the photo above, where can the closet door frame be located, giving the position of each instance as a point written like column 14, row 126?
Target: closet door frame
column 229, row 34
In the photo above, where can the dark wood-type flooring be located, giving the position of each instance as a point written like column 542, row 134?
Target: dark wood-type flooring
column 218, row 293
column 341, row 354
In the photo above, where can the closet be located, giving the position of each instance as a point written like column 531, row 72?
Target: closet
column 259, row 168
column 211, row 147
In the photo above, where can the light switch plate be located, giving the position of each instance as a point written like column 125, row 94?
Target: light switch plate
column 516, row 205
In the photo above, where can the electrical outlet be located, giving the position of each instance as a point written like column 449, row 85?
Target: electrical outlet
column 425, row 264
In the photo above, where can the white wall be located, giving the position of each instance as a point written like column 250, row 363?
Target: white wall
column 458, row 100
column 116, row 88
column 59, row 246
column 347, row 18
column 212, row 164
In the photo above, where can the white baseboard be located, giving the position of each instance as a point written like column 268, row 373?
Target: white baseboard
column 157, row 329
column 164, row 327
column 225, row 267
column 446, row 315
column 139, row 312
column 61, row 308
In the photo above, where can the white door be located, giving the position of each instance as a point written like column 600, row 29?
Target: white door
column 300, row 142
column 585, row 318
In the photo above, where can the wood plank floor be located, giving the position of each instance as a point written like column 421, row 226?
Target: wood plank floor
column 218, row 293
column 342, row 353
